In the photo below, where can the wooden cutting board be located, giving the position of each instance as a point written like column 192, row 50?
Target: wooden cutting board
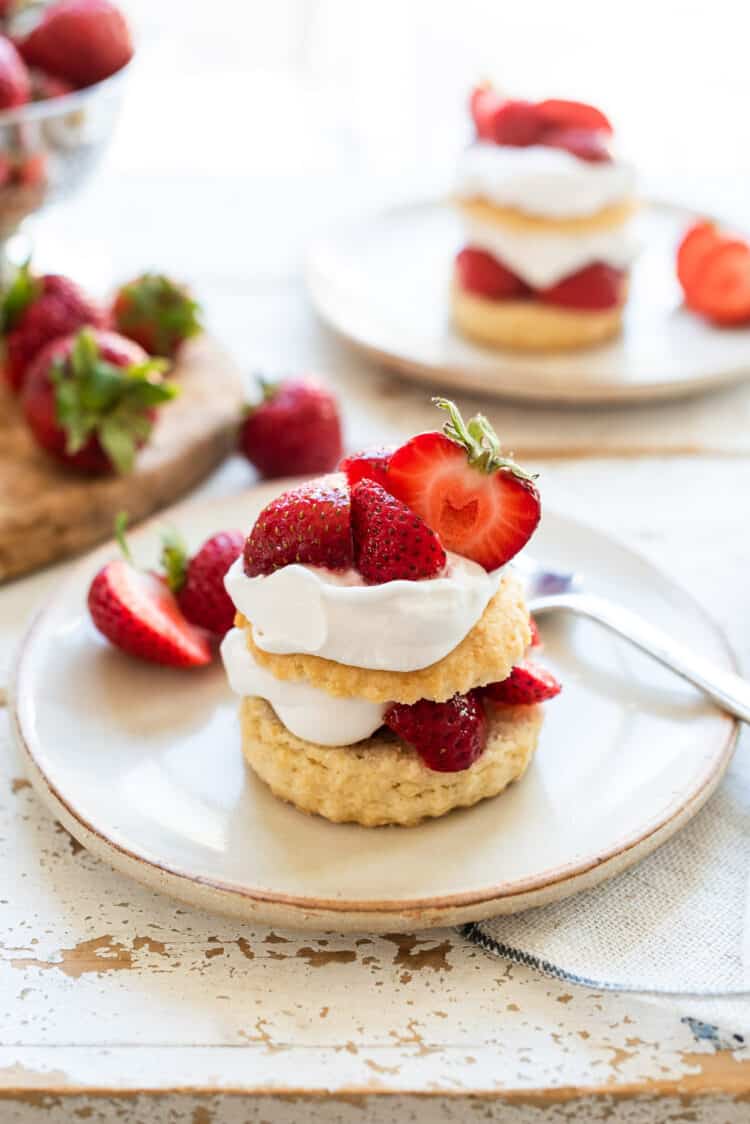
column 48, row 513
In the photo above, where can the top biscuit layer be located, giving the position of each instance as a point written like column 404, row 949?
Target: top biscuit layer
column 610, row 218
column 487, row 655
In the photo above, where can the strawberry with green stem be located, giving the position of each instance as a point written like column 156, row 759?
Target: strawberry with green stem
column 157, row 313
column 91, row 400
column 198, row 581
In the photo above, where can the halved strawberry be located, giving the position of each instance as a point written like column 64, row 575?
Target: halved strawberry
column 310, row 525
column 484, row 103
column 391, row 542
column 479, row 502
column 586, row 144
column 137, row 613
column 721, row 290
column 448, row 736
column 527, row 683
column 481, row 273
column 696, row 244
column 595, row 288
column 370, row 464
column 517, row 123
column 562, row 114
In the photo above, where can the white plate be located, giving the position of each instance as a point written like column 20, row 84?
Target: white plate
column 382, row 282
column 143, row 765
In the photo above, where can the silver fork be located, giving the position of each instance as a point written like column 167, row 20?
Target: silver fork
column 551, row 590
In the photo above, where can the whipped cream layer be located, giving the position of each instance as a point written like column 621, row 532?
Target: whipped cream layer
column 307, row 712
column 542, row 259
column 396, row 626
column 537, row 180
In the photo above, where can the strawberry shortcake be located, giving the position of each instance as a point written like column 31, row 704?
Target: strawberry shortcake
column 546, row 211
column 380, row 642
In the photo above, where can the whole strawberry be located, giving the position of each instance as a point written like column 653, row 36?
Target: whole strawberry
column 15, row 88
column 391, row 542
column 198, row 582
column 310, row 525
column 136, row 612
column 294, row 431
column 82, row 41
column 527, row 683
column 157, row 313
column 91, row 400
column 448, row 736
column 35, row 310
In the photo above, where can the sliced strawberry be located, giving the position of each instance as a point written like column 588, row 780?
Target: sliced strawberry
column 721, row 290
column 517, row 123
column 561, row 114
column 481, row 273
column 391, row 542
column 586, row 144
column 310, row 525
column 697, row 243
column 484, row 103
column 479, row 503
column 371, row 464
column 448, row 736
column 527, row 683
column 595, row 288
column 137, row 613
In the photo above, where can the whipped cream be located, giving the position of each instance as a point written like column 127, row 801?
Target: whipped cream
column 541, row 259
column 396, row 626
column 537, row 180
column 307, row 712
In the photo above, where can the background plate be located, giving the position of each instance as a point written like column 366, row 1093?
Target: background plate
column 143, row 765
column 382, row 282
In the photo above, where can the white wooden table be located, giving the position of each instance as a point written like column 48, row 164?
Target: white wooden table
column 118, row 1004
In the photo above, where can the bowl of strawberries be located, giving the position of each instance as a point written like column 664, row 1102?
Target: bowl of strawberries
column 62, row 71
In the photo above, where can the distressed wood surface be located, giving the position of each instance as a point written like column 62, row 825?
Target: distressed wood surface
column 113, row 995
column 47, row 513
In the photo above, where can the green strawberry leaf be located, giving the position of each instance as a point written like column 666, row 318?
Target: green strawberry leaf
column 174, row 559
column 23, row 289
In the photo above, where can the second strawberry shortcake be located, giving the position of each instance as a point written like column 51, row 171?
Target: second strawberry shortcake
column 546, row 211
column 380, row 642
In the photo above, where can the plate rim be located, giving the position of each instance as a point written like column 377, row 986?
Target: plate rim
column 467, row 905
column 461, row 378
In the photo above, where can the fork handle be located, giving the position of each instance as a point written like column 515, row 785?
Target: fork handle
column 730, row 691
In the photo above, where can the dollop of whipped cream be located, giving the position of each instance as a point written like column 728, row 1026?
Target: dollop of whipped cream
column 306, row 711
column 539, row 180
column 396, row 626
column 541, row 259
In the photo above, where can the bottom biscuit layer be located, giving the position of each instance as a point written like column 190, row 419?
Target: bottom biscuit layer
column 382, row 780
column 528, row 325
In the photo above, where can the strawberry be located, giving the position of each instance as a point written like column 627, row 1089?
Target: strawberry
column 559, row 114
column 696, row 244
column 82, row 41
column 721, row 288
column 295, row 430
column 536, row 640
column 137, row 612
column 157, row 313
column 391, row 542
column 527, row 683
column 479, row 502
column 517, row 123
column 198, row 582
column 371, row 464
column 35, row 310
column 586, row 144
column 310, row 524
column 448, row 736
column 597, row 287
column 44, row 85
column 484, row 103
column 15, row 87
column 481, row 273
column 32, row 169
column 91, row 400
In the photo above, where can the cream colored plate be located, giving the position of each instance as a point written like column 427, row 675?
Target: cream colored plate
column 143, row 765
column 382, row 283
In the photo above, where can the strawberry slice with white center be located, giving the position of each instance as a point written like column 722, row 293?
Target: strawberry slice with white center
column 479, row 502
column 137, row 613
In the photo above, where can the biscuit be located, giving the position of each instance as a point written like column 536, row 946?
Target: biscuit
column 610, row 218
column 382, row 780
column 486, row 655
column 529, row 325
